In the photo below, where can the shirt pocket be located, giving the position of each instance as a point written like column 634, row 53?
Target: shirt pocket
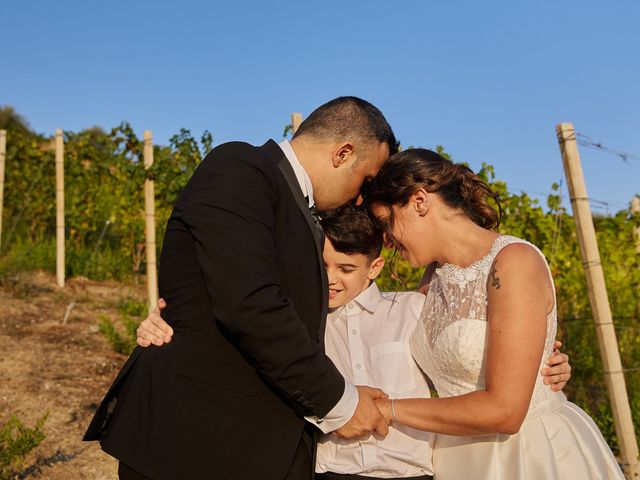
column 393, row 367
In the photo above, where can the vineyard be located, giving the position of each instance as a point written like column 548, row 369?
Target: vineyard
column 104, row 177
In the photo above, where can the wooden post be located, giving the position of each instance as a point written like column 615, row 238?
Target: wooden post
column 150, row 224
column 296, row 120
column 599, row 300
column 59, row 142
column 635, row 208
column 3, row 157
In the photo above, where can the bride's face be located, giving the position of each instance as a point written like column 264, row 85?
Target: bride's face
column 405, row 232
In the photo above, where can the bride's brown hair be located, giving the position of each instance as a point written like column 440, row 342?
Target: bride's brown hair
column 408, row 171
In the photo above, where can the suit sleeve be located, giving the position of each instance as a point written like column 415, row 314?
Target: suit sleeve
column 231, row 215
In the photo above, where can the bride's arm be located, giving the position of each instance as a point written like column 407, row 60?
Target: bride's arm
column 519, row 298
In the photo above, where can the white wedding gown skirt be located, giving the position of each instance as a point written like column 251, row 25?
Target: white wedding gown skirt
column 558, row 440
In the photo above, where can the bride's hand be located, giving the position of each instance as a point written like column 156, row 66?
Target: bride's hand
column 384, row 405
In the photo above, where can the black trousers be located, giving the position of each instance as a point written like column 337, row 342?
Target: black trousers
column 347, row 476
column 301, row 468
column 127, row 473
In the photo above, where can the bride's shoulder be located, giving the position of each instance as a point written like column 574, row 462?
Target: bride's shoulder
column 518, row 254
column 520, row 261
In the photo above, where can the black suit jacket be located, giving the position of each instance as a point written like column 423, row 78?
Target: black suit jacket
column 242, row 272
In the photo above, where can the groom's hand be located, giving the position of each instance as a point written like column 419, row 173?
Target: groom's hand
column 367, row 419
column 153, row 329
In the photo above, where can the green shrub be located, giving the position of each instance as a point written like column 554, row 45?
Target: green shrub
column 124, row 342
column 16, row 441
column 121, row 342
column 131, row 306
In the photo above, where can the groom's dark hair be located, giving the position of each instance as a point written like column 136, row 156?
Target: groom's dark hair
column 346, row 118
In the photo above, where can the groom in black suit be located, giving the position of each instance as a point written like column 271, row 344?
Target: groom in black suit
column 239, row 391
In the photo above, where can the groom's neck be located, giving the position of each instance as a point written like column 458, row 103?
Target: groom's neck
column 311, row 153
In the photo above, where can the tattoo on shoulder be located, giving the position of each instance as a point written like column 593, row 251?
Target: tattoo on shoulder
column 493, row 275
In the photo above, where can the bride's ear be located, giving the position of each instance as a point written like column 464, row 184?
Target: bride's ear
column 420, row 201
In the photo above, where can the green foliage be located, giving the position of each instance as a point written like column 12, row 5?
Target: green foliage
column 104, row 197
column 132, row 307
column 124, row 341
column 16, row 441
column 23, row 254
column 12, row 120
column 288, row 130
column 121, row 342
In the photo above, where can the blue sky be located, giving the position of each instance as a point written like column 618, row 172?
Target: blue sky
column 488, row 80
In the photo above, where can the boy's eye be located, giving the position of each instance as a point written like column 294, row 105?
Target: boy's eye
column 347, row 270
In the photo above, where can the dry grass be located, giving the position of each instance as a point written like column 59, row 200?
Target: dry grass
column 63, row 369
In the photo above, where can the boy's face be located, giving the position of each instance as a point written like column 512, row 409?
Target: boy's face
column 348, row 274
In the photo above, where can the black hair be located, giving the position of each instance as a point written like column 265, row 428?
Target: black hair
column 351, row 230
column 346, row 118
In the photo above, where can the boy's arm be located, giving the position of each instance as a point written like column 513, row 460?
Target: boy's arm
column 153, row 329
column 558, row 370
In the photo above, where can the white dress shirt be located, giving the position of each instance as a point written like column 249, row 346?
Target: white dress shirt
column 342, row 412
column 368, row 340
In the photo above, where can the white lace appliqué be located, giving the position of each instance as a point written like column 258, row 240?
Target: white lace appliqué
column 449, row 343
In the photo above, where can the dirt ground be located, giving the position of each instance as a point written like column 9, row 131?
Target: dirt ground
column 47, row 365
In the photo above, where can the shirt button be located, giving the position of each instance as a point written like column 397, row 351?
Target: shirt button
column 354, row 331
column 358, row 366
column 350, row 306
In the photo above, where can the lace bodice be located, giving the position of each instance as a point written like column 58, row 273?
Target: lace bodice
column 449, row 342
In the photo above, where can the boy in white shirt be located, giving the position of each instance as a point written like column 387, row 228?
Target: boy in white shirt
column 367, row 337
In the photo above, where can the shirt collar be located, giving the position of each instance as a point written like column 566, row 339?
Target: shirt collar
column 301, row 175
column 369, row 298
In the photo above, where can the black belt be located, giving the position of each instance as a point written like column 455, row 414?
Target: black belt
column 347, row 476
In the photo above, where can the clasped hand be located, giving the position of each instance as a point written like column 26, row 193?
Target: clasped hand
column 367, row 419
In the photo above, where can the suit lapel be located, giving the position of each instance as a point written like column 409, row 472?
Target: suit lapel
column 275, row 152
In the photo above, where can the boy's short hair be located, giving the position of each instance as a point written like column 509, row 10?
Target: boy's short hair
column 351, row 230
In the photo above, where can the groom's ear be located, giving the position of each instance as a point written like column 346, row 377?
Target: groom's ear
column 342, row 154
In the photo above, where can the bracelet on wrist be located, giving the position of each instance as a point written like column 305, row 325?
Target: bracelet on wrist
column 393, row 411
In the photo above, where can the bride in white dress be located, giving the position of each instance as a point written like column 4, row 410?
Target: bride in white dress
column 490, row 302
